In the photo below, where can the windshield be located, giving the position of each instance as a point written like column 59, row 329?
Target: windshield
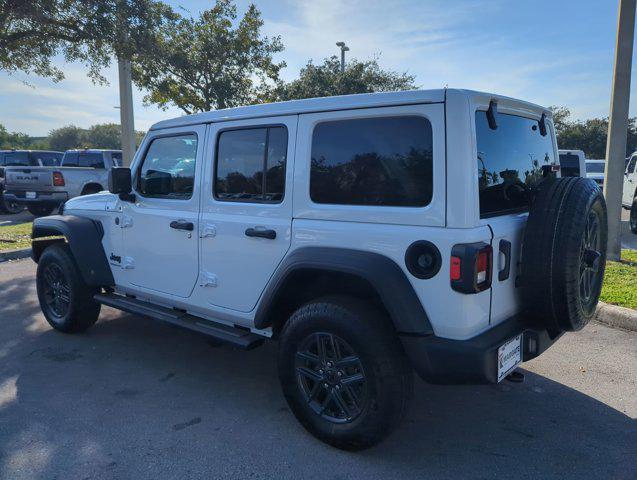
column 510, row 161
column 595, row 167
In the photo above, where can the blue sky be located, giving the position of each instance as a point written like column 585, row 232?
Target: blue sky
column 557, row 52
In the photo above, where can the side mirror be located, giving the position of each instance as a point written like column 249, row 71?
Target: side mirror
column 119, row 180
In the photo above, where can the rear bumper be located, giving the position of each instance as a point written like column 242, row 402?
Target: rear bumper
column 19, row 196
column 473, row 361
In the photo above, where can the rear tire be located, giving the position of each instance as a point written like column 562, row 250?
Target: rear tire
column 40, row 210
column 633, row 217
column 564, row 252
column 10, row 208
column 354, row 391
column 65, row 299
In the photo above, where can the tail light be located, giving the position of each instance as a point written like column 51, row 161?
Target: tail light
column 58, row 179
column 471, row 267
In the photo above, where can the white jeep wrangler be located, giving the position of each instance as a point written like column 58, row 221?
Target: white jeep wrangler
column 371, row 235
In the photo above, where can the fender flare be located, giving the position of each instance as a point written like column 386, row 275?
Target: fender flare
column 382, row 273
column 84, row 237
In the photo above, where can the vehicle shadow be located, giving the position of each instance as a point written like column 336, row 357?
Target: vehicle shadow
column 132, row 398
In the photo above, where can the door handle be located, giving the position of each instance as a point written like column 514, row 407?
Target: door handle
column 257, row 232
column 182, row 225
column 505, row 249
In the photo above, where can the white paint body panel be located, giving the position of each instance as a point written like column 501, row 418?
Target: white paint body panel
column 171, row 269
column 630, row 182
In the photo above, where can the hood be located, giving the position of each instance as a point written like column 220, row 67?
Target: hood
column 97, row 201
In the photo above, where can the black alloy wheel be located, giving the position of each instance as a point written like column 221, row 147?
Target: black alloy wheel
column 57, row 292
column 331, row 377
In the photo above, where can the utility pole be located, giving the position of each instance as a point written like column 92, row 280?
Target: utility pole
column 618, row 125
column 344, row 48
column 126, row 112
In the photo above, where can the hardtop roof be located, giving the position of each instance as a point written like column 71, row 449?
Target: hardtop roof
column 322, row 104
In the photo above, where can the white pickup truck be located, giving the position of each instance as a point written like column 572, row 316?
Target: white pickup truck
column 43, row 189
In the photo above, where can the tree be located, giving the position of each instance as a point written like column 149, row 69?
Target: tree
column 588, row 135
column 359, row 77
column 67, row 137
column 208, row 63
column 89, row 31
column 13, row 139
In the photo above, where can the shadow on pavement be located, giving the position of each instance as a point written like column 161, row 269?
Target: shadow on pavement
column 132, row 398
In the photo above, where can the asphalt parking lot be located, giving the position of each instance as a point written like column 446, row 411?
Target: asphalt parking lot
column 133, row 398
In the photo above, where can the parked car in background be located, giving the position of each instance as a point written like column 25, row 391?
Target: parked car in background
column 31, row 158
column 572, row 163
column 629, row 196
column 43, row 189
column 595, row 170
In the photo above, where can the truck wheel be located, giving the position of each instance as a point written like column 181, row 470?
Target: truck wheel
column 633, row 216
column 10, row 208
column 65, row 299
column 40, row 210
column 343, row 372
column 564, row 252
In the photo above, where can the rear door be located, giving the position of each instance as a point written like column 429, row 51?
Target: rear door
column 510, row 161
column 246, row 209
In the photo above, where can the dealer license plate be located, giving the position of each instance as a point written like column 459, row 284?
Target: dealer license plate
column 31, row 195
column 509, row 356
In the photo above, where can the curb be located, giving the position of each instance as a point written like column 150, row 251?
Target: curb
column 15, row 254
column 615, row 316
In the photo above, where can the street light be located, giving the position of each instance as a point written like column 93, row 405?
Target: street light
column 344, row 48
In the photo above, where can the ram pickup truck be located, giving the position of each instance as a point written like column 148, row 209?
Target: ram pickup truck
column 43, row 189
column 24, row 158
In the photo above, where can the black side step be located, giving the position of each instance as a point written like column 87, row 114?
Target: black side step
column 235, row 336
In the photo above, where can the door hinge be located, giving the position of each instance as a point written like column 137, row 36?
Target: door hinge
column 128, row 263
column 208, row 280
column 209, row 230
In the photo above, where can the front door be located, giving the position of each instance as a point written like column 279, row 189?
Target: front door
column 246, row 209
column 160, row 227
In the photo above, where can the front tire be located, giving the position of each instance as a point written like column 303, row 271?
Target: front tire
column 40, row 210
column 343, row 372
column 633, row 217
column 65, row 299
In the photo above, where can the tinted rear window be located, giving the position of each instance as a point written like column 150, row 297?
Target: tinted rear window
column 569, row 165
column 383, row 161
column 48, row 159
column 93, row 160
column 510, row 161
column 595, row 167
column 70, row 159
column 16, row 159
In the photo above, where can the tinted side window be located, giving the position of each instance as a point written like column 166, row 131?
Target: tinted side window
column 372, row 161
column 168, row 169
column 251, row 164
column 70, row 159
column 510, row 161
column 631, row 165
column 93, row 160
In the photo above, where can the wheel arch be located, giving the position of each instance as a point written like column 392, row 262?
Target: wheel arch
column 84, row 237
column 312, row 272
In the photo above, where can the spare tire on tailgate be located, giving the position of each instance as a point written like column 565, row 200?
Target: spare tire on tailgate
column 564, row 252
